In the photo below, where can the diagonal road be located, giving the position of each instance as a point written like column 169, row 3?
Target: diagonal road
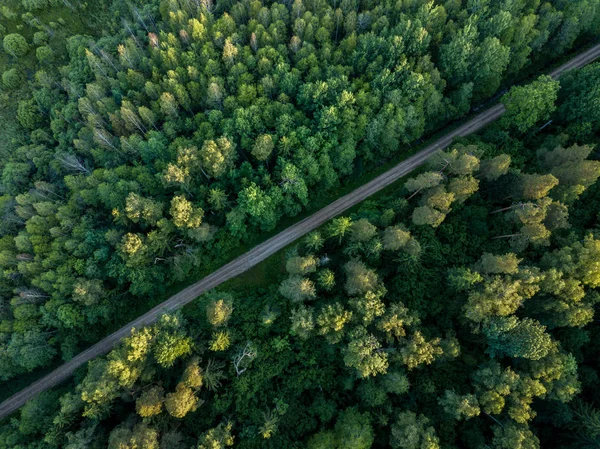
column 271, row 246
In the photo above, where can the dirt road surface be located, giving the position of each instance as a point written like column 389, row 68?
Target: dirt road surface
column 271, row 246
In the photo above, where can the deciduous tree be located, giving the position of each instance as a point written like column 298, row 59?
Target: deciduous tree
column 530, row 104
column 412, row 431
column 150, row 402
column 365, row 354
column 181, row 402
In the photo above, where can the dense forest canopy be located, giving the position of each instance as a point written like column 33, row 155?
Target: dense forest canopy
column 149, row 152
column 457, row 310
column 148, row 141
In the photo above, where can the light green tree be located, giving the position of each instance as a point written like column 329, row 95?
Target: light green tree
column 504, row 264
column 530, row 104
column 395, row 238
column 353, row 430
column 332, row 320
column 15, row 45
column 364, row 353
column 185, row 214
column 494, row 168
column 298, row 289
column 425, row 215
column 359, row 278
column 303, row 321
column 339, row 227
column 218, row 311
column 299, row 265
column 182, row 401
column 219, row 437
column 459, row 406
column 423, row 181
column 514, row 436
column 220, row 341
column 513, row 337
column 314, row 241
column 217, row 156
column 150, row 402
column 362, row 230
column 418, row 351
column 263, row 147
column 411, row 431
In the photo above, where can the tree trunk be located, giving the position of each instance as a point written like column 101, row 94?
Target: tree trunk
column 204, row 173
column 414, row 193
column 502, row 210
column 505, row 236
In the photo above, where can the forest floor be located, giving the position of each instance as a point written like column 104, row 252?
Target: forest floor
column 259, row 253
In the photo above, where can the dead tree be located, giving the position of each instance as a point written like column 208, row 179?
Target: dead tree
column 246, row 355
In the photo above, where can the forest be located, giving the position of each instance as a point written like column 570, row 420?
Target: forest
column 454, row 310
column 147, row 143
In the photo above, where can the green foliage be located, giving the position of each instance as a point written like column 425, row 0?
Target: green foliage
column 362, row 230
column 140, row 436
column 220, row 341
column 322, row 440
column 364, row 354
column 494, row 168
column 505, row 264
column 216, row 156
column 514, row 436
column 32, row 5
column 44, row 54
column 395, row 238
column 374, row 356
column 180, row 402
column 184, row 214
column 15, row 45
column 573, row 170
column 353, row 430
column 419, row 351
column 301, row 265
column 326, row 279
column 331, row 320
column 460, row 407
column 171, row 343
column 581, row 97
column 501, row 295
column 410, row 431
column 426, row 215
column 181, row 133
column 40, row 38
column 339, row 227
column 31, row 348
column 530, row 104
column 150, row 402
column 359, row 278
column 426, row 180
column 314, row 241
column 297, row 289
column 518, row 338
column 153, row 140
column 218, row 311
column 11, row 79
column 303, row 322
column 587, row 421
column 263, row 147
column 28, row 114
column 219, row 437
